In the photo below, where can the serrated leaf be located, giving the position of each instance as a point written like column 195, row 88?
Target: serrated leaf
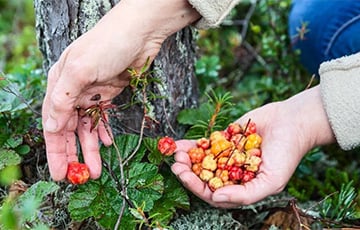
column 11, row 102
column 8, row 157
column 14, row 141
column 39, row 190
column 101, row 200
column 145, row 184
column 175, row 196
column 154, row 157
column 33, row 196
column 126, row 145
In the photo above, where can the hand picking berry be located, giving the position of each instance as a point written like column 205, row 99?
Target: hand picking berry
column 77, row 173
column 167, row 146
column 227, row 157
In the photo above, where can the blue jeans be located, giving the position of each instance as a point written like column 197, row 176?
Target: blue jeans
column 324, row 29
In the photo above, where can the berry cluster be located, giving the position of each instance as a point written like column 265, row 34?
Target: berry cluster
column 227, row 157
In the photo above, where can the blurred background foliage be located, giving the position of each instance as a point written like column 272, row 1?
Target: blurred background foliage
column 249, row 56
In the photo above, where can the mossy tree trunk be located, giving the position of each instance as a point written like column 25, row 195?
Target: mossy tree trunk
column 58, row 23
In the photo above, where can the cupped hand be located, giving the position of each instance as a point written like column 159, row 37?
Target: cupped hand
column 92, row 70
column 288, row 133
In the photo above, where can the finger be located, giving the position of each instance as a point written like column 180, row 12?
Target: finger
column 248, row 193
column 60, row 149
column 55, row 101
column 191, row 181
column 183, row 157
column 56, row 155
column 185, row 145
column 90, row 146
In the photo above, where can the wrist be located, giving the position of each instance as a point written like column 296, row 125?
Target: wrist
column 157, row 19
column 312, row 120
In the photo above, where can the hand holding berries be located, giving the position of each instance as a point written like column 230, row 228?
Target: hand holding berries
column 228, row 157
column 287, row 134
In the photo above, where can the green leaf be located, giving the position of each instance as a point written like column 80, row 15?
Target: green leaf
column 8, row 157
column 175, row 196
column 192, row 116
column 8, row 219
column 154, row 157
column 39, row 190
column 145, row 184
column 9, row 174
column 30, row 200
column 126, row 145
column 41, row 227
column 23, row 149
column 3, row 133
column 14, row 141
column 100, row 199
column 11, row 102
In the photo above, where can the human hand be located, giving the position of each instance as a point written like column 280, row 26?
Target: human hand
column 93, row 69
column 289, row 129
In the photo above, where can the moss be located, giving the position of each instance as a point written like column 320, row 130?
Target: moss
column 205, row 219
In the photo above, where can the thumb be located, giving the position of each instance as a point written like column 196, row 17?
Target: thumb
column 59, row 102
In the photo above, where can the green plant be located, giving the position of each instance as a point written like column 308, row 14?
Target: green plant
column 209, row 116
column 18, row 98
column 341, row 205
column 136, row 187
column 147, row 193
column 22, row 212
column 207, row 70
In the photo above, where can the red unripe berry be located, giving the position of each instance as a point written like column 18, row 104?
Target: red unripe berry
column 203, row 143
column 235, row 173
column 247, row 176
column 234, row 128
column 77, row 173
column 250, row 129
column 167, row 146
column 226, row 135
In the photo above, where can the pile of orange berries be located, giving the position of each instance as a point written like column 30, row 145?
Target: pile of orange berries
column 228, row 157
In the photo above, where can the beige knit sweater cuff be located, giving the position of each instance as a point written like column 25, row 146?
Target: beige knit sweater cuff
column 212, row 12
column 339, row 85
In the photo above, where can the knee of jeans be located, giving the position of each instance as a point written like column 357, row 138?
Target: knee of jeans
column 345, row 41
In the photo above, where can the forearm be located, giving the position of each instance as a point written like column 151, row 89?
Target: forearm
column 159, row 18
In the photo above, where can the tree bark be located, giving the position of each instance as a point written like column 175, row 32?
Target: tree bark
column 58, row 23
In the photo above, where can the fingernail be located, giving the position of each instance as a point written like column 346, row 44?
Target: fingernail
column 51, row 125
column 221, row 198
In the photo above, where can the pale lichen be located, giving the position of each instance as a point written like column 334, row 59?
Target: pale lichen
column 93, row 11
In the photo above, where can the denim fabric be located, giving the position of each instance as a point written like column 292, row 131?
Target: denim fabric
column 332, row 30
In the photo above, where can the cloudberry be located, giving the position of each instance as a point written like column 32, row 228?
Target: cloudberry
column 196, row 155
column 166, row 146
column 77, row 173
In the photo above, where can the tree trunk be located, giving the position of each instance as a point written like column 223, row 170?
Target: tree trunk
column 58, row 23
